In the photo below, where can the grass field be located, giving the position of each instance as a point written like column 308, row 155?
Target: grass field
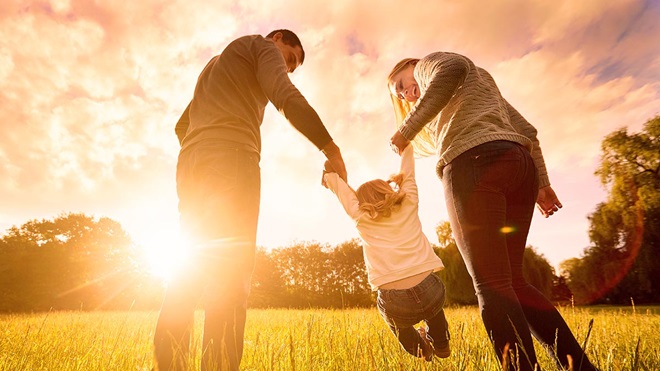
column 622, row 338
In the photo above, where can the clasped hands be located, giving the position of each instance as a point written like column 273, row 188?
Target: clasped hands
column 334, row 162
column 398, row 142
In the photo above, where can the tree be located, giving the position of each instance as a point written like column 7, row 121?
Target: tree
column 560, row 290
column 303, row 267
column 268, row 289
column 71, row 262
column 309, row 274
column 537, row 271
column 347, row 280
column 458, row 283
column 623, row 259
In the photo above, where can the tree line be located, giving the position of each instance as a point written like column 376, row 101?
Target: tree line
column 76, row 261
column 310, row 274
column 72, row 262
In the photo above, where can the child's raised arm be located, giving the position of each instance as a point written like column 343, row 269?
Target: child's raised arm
column 408, row 161
column 327, row 168
column 408, row 170
column 345, row 194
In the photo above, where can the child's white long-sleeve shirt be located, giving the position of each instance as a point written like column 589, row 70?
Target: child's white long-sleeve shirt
column 395, row 247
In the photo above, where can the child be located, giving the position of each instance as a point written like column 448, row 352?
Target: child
column 399, row 258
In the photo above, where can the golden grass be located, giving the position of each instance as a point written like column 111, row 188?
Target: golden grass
column 622, row 338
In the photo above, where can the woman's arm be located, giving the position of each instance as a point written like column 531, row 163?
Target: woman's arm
column 447, row 72
column 547, row 201
column 525, row 128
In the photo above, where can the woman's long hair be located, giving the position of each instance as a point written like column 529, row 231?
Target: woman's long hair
column 424, row 142
column 379, row 198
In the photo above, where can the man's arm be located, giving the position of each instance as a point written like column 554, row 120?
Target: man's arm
column 274, row 80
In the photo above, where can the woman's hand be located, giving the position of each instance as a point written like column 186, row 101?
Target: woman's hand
column 547, row 201
column 398, row 142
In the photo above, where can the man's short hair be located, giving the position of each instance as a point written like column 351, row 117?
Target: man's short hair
column 289, row 38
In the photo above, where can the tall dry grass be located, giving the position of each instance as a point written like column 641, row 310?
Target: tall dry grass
column 622, row 338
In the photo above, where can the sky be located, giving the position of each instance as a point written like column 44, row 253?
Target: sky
column 90, row 92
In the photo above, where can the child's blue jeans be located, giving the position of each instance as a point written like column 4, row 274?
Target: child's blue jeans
column 401, row 309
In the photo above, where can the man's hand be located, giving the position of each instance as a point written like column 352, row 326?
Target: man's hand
column 335, row 161
column 547, row 201
column 327, row 167
column 398, row 142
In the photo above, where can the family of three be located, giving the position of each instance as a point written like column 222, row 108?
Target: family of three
column 492, row 172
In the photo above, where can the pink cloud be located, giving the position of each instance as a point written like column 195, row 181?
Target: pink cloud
column 90, row 92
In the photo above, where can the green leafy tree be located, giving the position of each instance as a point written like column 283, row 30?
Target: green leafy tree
column 71, row 262
column 537, row 271
column 348, row 282
column 458, row 282
column 308, row 274
column 561, row 293
column 303, row 268
column 623, row 260
column 268, row 289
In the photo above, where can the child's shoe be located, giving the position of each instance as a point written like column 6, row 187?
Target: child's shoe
column 426, row 346
column 442, row 351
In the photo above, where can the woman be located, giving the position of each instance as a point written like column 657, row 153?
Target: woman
column 493, row 173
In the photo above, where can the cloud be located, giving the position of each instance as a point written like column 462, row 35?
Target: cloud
column 90, row 92
column 572, row 109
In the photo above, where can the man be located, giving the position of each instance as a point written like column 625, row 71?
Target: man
column 218, row 184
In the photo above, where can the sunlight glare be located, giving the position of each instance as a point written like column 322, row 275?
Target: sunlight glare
column 163, row 254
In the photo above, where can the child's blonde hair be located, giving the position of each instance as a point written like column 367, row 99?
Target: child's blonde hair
column 424, row 143
column 378, row 198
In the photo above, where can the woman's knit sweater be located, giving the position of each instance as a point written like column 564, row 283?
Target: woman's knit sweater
column 462, row 107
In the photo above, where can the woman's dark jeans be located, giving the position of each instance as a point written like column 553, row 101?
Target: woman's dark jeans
column 401, row 309
column 490, row 191
column 219, row 194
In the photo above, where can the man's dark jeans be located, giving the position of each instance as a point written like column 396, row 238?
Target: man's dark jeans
column 490, row 191
column 219, row 194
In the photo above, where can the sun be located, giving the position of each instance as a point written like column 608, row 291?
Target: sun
column 163, row 254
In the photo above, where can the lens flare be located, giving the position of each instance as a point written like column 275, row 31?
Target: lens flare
column 163, row 254
column 507, row 230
